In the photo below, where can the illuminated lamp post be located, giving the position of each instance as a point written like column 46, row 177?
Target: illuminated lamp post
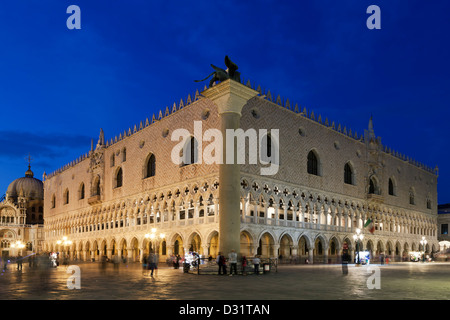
column 18, row 245
column 423, row 242
column 155, row 239
column 65, row 242
column 358, row 238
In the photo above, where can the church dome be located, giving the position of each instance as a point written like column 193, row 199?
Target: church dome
column 27, row 186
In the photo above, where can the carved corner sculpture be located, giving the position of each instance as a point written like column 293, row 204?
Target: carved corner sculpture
column 221, row 75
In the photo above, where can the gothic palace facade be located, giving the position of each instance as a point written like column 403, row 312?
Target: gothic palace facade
column 329, row 182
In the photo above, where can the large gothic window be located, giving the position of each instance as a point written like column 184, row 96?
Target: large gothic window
column 428, row 203
column 150, row 166
column 391, row 187
column 190, row 152
column 348, row 174
column 313, row 163
column 412, row 196
column 371, row 186
column 66, row 196
column 81, row 191
column 96, row 187
column 119, row 178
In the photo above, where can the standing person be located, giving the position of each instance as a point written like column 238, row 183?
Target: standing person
column 144, row 265
column 222, row 263
column 153, row 262
column 116, row 262
column 232, row 258
column 19, row 262
column 244, row 265
column 256, row 262
column 345, row 260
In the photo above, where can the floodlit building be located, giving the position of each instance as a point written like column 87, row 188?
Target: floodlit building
column 300, row 190
column 443, row 221
column 22, row 217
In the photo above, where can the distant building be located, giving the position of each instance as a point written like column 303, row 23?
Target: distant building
column 443, row 221
column 330, row 181
column 22, row 217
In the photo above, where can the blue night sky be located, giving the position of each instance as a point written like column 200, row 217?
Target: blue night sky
column 132, row 58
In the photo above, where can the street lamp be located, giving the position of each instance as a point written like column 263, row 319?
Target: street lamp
column 358, row 237
column 154, row 238
column 423, row 242
column 65, row 242
column 19, row 245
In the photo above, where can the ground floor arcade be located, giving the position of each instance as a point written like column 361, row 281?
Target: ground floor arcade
column 291, row 245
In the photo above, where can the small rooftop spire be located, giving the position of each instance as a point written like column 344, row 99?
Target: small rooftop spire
column 29, row 173
column 371, row 123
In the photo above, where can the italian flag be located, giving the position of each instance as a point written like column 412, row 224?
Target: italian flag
column 370, row 225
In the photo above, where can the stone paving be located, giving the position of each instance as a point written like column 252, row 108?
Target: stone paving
column 402, row 281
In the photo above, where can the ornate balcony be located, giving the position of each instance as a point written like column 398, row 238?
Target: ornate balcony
column 94, row 200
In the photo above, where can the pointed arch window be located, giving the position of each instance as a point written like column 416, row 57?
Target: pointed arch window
column 374, row 187
column 313, row 163
column 428, row 203
column 268, row 146
column 190, row 152
column 96, row 187
column 53, row 204
column 119, row 178
column 66, row 196
column 391, row 187
column 150, row 166
column 412, row 199
column 348, row 174
column 82, row 189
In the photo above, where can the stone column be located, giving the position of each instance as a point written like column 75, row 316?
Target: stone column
column 311, row 255
column 229, row 96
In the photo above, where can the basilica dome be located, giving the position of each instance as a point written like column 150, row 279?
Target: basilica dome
column 27, row 186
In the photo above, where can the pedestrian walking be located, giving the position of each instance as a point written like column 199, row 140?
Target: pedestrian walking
column 345, row 260
column 176, row 263
column 5, row 264
column 19, row 262
column 153, row 263
column 256, row 261
column 232, row 259
column 144, row 265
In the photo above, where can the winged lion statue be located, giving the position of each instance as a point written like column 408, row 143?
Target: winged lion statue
column 220, row 74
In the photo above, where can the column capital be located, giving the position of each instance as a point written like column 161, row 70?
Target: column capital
column 230, row 96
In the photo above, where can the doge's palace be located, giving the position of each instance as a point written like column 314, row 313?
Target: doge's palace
column 322, row 183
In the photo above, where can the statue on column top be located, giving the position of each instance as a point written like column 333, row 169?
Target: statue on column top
column 221, row 75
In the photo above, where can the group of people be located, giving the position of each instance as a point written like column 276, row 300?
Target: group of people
column 174, row 261
column 34, row 261
column 232, row 260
